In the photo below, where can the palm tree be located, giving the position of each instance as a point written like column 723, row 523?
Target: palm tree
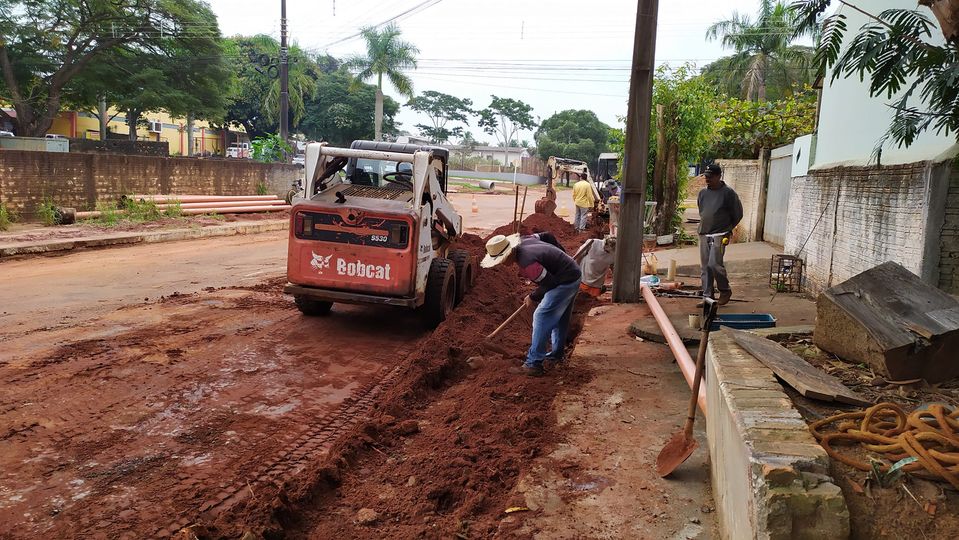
column 386, row 54
column 763, row 48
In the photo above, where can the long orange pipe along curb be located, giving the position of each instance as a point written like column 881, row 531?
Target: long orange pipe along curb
column 686, row 364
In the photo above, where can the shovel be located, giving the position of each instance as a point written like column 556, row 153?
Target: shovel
column 488, row 343
column 682, row 444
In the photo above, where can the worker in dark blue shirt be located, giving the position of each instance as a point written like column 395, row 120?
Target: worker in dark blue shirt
column 542, row 260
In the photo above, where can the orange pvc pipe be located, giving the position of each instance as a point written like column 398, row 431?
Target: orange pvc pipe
column 686, row 363
column 219, row 204
column 204, row 198
column 217, row 210
column 235, row 209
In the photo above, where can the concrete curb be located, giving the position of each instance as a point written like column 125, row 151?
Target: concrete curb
column 20, row 249
column 770, row 477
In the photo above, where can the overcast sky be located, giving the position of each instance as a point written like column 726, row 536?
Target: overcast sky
column 554, row 55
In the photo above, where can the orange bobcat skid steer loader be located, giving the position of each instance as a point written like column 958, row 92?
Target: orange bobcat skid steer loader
column 375, row 227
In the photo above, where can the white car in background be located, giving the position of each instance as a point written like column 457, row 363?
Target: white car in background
column 7, row 134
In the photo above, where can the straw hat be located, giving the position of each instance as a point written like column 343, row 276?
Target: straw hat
column 498, row 248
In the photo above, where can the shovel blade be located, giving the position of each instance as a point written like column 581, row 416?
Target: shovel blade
column 676, row 451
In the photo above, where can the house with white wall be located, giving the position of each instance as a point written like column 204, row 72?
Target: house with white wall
column 848, row 213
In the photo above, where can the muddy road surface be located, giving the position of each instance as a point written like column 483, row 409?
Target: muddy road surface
column 147, row 388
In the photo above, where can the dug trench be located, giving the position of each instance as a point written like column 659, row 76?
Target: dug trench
column 439, row 452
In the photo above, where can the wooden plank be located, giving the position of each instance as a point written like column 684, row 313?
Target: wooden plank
column 796, row 372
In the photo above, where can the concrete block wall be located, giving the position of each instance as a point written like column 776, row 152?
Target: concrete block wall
column 949, row 237
column 745, row 176
column 858, row 217
column 769, row 475
column 80, row 180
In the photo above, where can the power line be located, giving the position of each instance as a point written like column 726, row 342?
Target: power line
column 415, row 9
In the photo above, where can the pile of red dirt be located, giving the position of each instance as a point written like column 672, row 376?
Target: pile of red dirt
column 444, row 445
column 561, row 229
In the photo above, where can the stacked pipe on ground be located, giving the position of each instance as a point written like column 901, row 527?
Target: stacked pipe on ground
column 191, row 205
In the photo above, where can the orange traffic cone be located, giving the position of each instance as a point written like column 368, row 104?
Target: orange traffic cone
column 475, row 208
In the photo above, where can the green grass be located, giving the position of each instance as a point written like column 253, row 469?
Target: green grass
column 109, row 214
column 47, row 212
column 142, row 210
column 261, row 189
column 467, row 186
column 173, row 209
column 7, row 216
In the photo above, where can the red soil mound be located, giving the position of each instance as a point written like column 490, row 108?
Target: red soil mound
column 443, row 446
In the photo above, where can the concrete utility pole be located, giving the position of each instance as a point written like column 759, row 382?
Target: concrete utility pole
column 629, row 255
column 284, row 77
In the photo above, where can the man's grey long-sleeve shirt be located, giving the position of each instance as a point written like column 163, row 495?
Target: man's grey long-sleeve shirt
column 719, row 210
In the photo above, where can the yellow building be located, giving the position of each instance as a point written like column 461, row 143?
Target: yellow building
column 162, row 127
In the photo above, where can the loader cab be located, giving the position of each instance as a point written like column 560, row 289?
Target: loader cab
column 370, row 172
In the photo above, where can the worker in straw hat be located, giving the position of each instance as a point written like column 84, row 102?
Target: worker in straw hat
column 542, row 260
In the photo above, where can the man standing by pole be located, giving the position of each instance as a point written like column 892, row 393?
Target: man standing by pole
column 720, row 210
column 284, row 77
column 584, row 200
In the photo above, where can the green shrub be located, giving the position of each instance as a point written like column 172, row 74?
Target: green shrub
column 173, row 209
column 109, row 215
column 142, row 210
column 261, row 189
column 47, row 212
column 7, row 216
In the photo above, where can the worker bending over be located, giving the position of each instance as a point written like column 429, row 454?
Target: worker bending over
column 595, row 258
column 542, row 260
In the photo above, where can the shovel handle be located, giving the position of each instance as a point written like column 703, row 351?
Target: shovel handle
column 709, row 312
column 500, row 328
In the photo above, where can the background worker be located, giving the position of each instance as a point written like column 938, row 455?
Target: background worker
column 584, row 199
column 720, row 210
column 543, row 261
column 595, row 258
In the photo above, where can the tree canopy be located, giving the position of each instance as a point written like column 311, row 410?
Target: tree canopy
column 441, row 109
column 574, row 134
column 386, row 54
column 341, row 112
column 503, row 118
column 896, row 51
column 684, row 109
column 764, row 52
column 45, row 45
column 745, row 127
column 255, row 95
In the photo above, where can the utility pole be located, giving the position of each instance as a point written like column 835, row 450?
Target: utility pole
column 629, row 255
column 284, row 77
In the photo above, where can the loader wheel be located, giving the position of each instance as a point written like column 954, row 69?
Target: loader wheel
column 440, row 291
column 311, row 307
column 465, row 272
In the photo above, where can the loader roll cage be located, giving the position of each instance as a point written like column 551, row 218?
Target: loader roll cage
column 320, row 172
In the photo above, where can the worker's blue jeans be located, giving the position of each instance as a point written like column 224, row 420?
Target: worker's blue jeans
column 551, row 323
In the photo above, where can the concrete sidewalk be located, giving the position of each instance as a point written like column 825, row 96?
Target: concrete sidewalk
column 27, row 242
column 600, row 481
column 689, row 256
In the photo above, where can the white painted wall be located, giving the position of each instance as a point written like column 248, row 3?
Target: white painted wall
column 851, row 123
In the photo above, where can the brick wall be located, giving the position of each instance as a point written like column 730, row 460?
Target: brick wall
column 121, row 146
column 949, row 238
column 858, row 217
column 80, row 180
column 743, row 175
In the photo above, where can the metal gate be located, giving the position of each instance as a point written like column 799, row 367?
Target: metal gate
column 777, row 194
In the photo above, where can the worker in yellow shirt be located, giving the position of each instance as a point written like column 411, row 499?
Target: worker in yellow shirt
column 584, row 199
